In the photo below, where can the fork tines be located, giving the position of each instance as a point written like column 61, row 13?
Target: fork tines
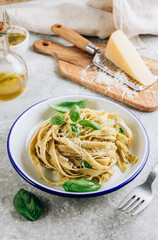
column 133, row 203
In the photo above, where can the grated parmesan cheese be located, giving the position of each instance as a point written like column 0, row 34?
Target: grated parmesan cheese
column 96, row 74
column 93, row 73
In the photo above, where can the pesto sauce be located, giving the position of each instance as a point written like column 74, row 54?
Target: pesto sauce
column 15, row 38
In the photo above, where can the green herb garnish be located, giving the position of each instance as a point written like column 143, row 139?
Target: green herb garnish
column 64, row 107
column 75, row 129
column 28, row 205
column 58, row 120
column 74, row 112
column 81, row 185
column 86, row 165
column 92, row 124
column 120, row 130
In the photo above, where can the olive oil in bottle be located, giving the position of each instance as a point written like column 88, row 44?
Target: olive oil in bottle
column 11, row 85
column 13, row 70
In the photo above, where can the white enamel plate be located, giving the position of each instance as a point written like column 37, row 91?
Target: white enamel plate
column 26, row 124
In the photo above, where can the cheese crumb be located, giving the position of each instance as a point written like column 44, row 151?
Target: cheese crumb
column 93, row 73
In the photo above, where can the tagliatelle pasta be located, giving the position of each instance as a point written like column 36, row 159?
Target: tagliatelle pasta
column 56, row 147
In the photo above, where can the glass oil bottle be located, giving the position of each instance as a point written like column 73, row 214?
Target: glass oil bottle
column 13, row 70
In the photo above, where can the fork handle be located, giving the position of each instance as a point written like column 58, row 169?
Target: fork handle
column 74, row 38
column 152, row 175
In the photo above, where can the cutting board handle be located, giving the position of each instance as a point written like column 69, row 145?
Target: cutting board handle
column 71, row 36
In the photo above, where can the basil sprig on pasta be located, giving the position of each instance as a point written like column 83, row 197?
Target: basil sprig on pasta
column 88, row 123
column 75, row 129
column 74, row 109
column 65, row 107
column 58, row 120
column 75, row 113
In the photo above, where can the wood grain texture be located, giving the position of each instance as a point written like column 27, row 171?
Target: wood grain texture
column 68, row 54
column 144, row 101
column 4, row 2
column 71, row 36
column 71, row 61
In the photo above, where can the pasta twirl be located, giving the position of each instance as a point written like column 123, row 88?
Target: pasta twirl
column 58, row 148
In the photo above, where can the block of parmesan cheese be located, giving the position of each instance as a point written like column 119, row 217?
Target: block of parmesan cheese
column 122, row 53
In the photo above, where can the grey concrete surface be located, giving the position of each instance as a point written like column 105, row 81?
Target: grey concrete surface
column 65, row 218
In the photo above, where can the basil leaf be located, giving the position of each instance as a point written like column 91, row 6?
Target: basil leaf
column 81, row 185
column 82, row 104
column 92, row 124
column 75, row 113
column 120, row 130
column 64, row 107
column 58, row 120
column 75, row 129
column 28, row 205
column 86, row 165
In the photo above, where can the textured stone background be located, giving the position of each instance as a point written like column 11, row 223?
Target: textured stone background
column 64, row 218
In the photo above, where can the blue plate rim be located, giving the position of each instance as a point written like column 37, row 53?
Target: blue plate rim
column 71, row 195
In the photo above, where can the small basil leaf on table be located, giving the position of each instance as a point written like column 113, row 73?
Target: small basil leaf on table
column 75, row 129
column 81, row 185
column 120, row 130
column 86, row 165
column 92, row 124
column 75, row 113
column 64, row 107
column 28, row 205
column 58, row 120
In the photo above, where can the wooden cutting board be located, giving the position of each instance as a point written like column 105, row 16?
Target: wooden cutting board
column 2, row 2
column 71, row 61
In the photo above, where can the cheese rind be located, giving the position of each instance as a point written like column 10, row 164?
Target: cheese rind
column 121, row 52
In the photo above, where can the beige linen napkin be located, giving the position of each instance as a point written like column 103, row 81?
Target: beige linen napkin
column 134, row 17
column 82, row 18
column 94, row 18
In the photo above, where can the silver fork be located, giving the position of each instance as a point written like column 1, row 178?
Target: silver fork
column 140, row 197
